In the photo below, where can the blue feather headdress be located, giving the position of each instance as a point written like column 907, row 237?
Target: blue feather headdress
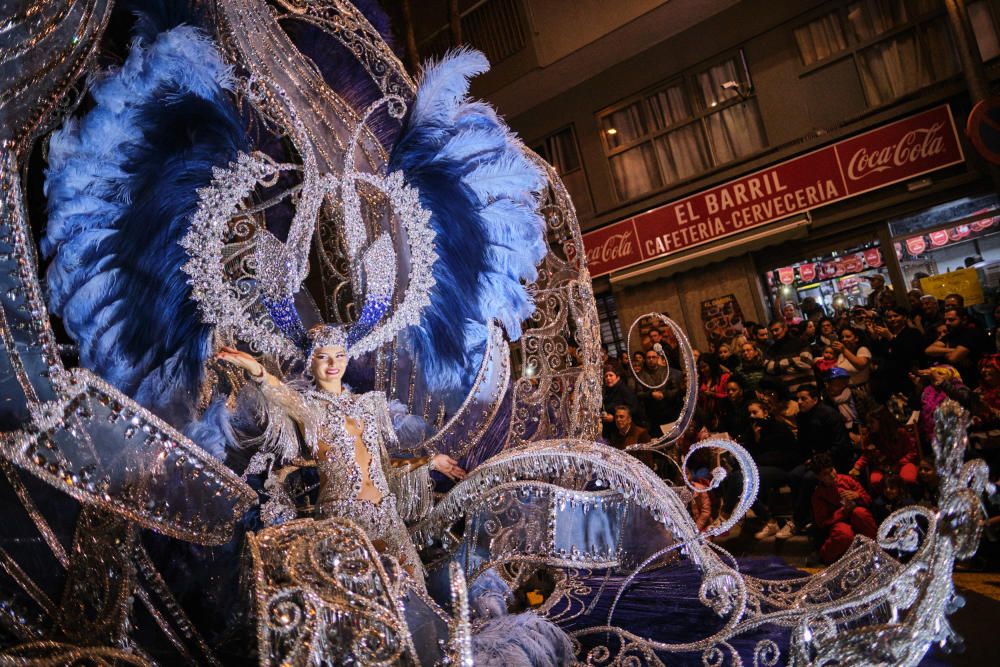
column 474, row 177
column 122, row 183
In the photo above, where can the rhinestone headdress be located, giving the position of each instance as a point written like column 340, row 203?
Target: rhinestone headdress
column 326, row 335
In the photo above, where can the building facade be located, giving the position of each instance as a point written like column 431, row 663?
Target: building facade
column 756, row 104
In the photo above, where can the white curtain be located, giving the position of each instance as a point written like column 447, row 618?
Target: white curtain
column 892, row 68
column 635, row 172
column 734, row 131
column 821, row 39
column 873, row 17
column 682, row 152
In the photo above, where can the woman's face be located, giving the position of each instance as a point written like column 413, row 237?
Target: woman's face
column 810, row 329
column 329, row 363
column 756, row 411
column 789, row 310
column 734, row 391
column 848, row 338
column 723, row 351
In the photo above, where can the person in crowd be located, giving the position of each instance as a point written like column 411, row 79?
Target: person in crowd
column 827, row 331
column 826, row 361
column 787, row 358
column 776, row 453
column 616, row 393
column 762, row 337
column 626, row 433
column 895, row 495
column 789, row 314
column 913, row 297
column 930, row 317
column 811, row 310
column 751, row 364
column 917, row 277
column 856, row 359
column 840, row 508
column 727, row 359
column 984, row 431
column 712, row 381
column 772, row 393
column 810, row 337
column 655, row 338
column 659, row 391
column 961, row 346
column 608, row 359
column 935, row 385
column 973, row 319
column 887, row 448
column 928, row 483
column 878, row 288
column 821, row 431
column 837, row 386
column 638, row 361
column 899, row 347
column 734, row 418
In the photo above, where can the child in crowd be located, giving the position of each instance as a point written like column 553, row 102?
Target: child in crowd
column 827, row 361
column 840, row 509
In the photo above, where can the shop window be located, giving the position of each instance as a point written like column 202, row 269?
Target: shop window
column 836, row 281
column 961, row 234
column 898, row 46
column 701, row 120
column 561, row 151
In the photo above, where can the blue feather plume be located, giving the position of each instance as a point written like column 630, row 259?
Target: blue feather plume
column 482, row 193
column 122, row 185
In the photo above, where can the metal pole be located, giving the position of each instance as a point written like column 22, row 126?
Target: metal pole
column 896, row 277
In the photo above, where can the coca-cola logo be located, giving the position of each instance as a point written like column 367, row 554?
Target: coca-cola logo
column 915, row 145
column 615, row 247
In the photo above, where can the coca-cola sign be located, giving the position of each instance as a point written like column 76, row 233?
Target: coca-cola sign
column 896, row 152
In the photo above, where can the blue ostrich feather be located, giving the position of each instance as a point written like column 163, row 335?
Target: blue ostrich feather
column 122, row 185
column 482, row 193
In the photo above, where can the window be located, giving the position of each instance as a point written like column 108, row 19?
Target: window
column 898, row 46
column 560, row 150
column 611, row 328
column 495, row 27
column 700, row 121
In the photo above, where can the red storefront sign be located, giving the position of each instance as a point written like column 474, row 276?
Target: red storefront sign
column 873, row 258
column 889, row 154
column 916, row 245
column 786, row 275
column 807, row 272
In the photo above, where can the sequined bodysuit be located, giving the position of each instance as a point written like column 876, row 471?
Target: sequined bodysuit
column 345, row 431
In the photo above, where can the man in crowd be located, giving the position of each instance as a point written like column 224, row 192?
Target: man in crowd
column 840, row 508
column 900, row 348
column 659, row 392
column 626, row 433
column 788, row 358
column 761, row 336
column 820, row 431
column 877, row 283
column 615, row 393
column 961, row 346
column 930, row 317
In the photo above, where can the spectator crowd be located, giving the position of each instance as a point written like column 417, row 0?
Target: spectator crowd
column 836, row 409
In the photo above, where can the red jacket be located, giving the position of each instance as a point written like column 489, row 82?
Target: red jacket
column 890, row 453
column 828, row 508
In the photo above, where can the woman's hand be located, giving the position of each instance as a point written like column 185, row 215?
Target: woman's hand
column 447, row 466
column 241, row 359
